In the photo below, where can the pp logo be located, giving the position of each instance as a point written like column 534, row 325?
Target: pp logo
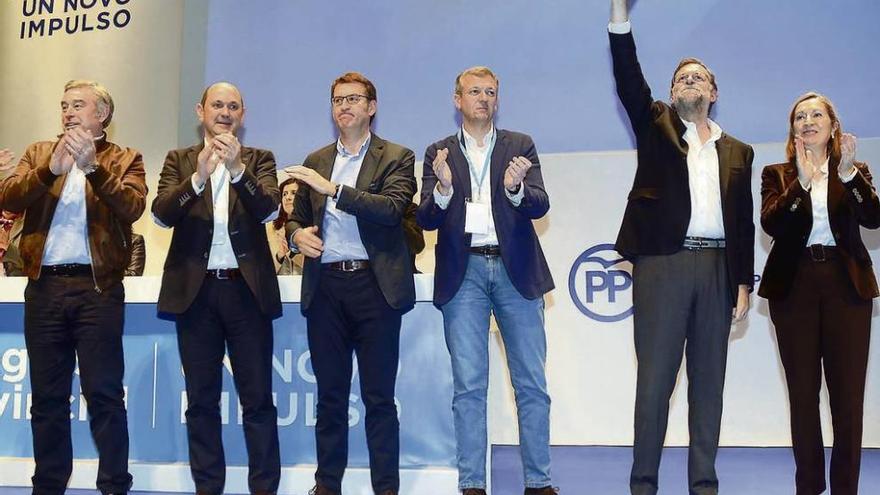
column 599, row 284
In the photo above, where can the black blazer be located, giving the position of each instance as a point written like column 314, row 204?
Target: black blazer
column 251, row 200
column 520, row 250
column 384, row 188
column 787, row 216
column 658, row 208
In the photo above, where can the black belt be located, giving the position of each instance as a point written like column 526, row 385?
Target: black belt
column 819, row 253
column 697, row 243
column 486, row 250
column 347, row 265
column 223, row 273
column 67, row 270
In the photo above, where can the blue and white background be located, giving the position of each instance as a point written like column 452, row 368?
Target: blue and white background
column 553, row 61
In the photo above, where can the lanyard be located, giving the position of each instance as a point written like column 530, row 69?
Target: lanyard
column 479, row 180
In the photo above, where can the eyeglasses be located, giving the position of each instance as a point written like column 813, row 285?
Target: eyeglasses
column 697, row 77
column 350, row 99
column 475, row 92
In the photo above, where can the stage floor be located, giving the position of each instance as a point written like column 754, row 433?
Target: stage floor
column 605, row 471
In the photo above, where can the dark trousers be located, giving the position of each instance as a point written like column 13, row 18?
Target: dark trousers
column 225, row 317
column 682, row 305
column 823, row 321
column 349, row 313
column 65, row 318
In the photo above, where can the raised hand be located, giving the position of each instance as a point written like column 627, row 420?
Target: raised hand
column 283, row 247
column 805, row 162
column 6, row 160
column 61, row 161
column 81, row 146
column 228, row 149
column 206, row 162
column 442, row 171
column 619, row 11
column 516, row 172
column 847, row 154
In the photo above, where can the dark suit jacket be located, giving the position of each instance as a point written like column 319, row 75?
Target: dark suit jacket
column 253, row 198
column 787, row 216
column 658, row 208
column 520, row 250
column 384, row 188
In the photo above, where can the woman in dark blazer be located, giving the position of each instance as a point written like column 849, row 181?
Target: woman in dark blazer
column 820, row 283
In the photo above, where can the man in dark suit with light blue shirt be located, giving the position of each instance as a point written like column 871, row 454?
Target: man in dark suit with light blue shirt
column 357, row 280
column 482, row 188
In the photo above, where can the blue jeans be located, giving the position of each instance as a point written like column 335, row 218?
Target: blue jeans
column 486, row 289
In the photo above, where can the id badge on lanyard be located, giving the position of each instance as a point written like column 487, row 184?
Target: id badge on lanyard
column 476, row 214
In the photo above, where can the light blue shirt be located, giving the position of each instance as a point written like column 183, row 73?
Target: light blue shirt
column 342, row 239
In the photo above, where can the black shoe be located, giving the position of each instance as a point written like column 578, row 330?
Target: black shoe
column 547, row 490
column 473, row 491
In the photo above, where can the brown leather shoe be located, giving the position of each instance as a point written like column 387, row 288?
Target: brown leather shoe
column 388, row 492
column 321, row 490
column 473, row 491
column 547, row 490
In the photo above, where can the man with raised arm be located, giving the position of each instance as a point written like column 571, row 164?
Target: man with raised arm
column 688, row 229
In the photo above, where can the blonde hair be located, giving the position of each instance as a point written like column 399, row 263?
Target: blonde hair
column 477, row 71
column 833, row 148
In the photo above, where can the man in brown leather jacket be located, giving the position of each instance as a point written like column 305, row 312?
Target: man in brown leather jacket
column 80, row 195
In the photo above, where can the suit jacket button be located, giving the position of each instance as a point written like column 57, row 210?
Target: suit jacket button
column 205, row 255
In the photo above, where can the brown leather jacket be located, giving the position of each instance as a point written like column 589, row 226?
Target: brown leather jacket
column 115, row 197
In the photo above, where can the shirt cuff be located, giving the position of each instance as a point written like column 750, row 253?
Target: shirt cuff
column 237, row 178
column 441, row 200
column 517, row 197
column 292, row 245
column 806, row 187
column 850, row 176
column 619, row 27
column 195, row 184
column 272, row 216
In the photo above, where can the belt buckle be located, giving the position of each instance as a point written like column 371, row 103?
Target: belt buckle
column 348, row 266
column 817, row 252
column 219, row 275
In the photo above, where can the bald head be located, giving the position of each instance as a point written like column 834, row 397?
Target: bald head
column 223, row 84
column 221, row 109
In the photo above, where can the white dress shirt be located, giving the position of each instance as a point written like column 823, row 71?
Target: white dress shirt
column 705, row 186
column 221, row 255
column 820, row 232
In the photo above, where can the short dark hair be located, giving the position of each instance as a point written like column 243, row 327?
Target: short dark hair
column 356, row 77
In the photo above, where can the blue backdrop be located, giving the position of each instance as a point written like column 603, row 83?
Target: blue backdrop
column 552, row 58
